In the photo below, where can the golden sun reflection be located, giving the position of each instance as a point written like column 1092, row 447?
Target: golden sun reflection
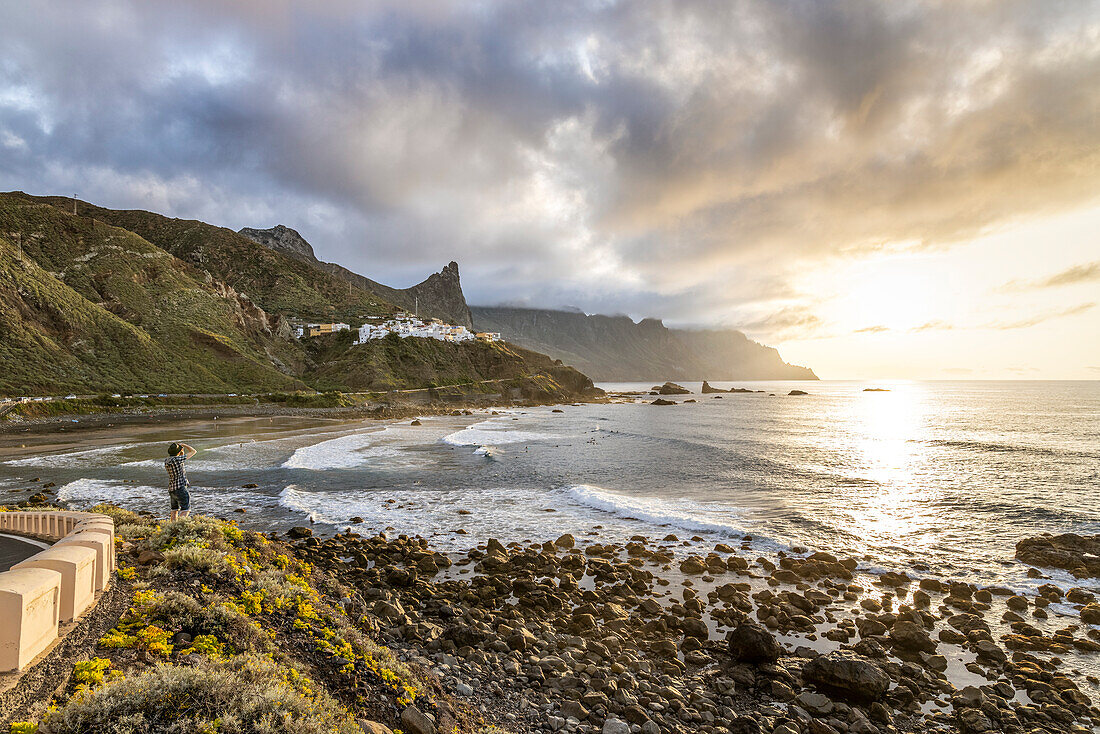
column 892, row 510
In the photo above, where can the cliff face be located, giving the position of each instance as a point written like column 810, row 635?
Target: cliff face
column 615, row 348
column 439, row 296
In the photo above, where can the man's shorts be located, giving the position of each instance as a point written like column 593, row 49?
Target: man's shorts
column 181, row 499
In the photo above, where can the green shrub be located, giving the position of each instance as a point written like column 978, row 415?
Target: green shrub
column 197, row 558
column 242, row 695
column 119, row 515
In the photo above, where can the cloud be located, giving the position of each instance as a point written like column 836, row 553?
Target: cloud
column 636, row 156
column 1039, row 318
column 1083, row 273
column 877, row 329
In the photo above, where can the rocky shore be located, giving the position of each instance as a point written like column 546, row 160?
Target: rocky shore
column 375, row 633
column 669, row 635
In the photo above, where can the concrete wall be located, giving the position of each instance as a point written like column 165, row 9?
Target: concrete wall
column 53, row 586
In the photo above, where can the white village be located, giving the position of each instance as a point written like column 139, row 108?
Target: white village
column 404, row 325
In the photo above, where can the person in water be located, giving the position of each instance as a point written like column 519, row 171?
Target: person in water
column 177, row 479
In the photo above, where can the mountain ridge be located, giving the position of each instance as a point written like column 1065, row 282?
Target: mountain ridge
column 439, row 295
column 618, row 349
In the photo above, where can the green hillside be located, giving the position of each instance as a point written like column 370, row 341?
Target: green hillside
column 94, row 308
column 276, row 282
column 109, row 301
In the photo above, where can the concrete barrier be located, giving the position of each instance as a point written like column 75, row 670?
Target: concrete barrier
column 103, row 550
column 30, row 604
column 55, row 585
column 76, row 564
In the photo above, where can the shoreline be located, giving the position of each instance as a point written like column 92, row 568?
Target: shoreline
column 674, row 633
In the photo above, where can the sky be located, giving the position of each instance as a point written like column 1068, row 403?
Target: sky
column 879, row 189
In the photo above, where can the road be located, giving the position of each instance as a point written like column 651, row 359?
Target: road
column 13, row 550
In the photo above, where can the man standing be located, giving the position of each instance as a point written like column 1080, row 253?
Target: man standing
column 177, row 479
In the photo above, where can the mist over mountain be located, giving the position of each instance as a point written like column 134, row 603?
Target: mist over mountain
column 615, row 348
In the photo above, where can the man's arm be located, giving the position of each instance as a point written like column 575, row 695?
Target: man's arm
column 188, row 452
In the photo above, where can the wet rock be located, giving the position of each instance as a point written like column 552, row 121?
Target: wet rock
column 751, row 643
column 693, row 565
column 1078, row 554
column 298, row 532
column 798, row 392
column 671, row 388
column 565, row 541
column 662, row 401
column 1091, row 614
column 847, row 673
column 707, row 389
column 973, row 721
column 911, row 636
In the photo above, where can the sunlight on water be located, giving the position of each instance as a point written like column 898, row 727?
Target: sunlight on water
column 894, row 506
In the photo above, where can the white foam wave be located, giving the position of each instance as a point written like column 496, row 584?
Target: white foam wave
column 678, row 513
column 474, row 436
column 204, row 500
column 68, row 458
column 345, row 452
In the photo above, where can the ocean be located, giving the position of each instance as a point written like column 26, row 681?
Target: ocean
column 936, row 478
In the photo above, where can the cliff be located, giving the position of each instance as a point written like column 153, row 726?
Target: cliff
column 615, row 348
column 439, row 296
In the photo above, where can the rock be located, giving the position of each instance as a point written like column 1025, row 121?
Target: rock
column 574, row 710
column 662, row 401
column 250, row 485
column 1091, row 614
column 798, row 392
column 356, row 520
column 693, row 565
column 751, row 643
column 38, row 499
column 815, row 703
column 464, row 689
column 416, row 722
column 847, row 673
column 696, row 628
column 911, row 636
column 671, row 388
column 565, row 541
column 615, row 726
column 373, row 727
column 298, row 532
column 1078, row 554
column 973, row 721
column 416, row 422
column 744, row 725
column 149, row 557
column 707, row 389
column 650, row 727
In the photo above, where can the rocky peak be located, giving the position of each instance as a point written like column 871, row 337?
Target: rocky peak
column 284, row 239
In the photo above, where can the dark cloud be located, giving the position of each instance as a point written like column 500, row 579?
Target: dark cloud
column 636, row 156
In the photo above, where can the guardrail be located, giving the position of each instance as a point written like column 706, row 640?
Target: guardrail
column 54, row 586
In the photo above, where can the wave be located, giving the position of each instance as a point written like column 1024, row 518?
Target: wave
column 483, row 434
column 68, row 458
column 1004, row 448
column 345, row 452
column 679, row 513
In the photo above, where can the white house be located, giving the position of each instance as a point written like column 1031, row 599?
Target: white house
column 406, row 326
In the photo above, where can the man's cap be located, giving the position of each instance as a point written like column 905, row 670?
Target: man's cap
column 174, row 449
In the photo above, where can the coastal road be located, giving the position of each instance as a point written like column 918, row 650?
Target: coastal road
column 14, row 549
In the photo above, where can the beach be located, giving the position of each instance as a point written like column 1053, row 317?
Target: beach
column 541, row 525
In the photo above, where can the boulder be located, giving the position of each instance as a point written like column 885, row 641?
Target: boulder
column 373, row 727
column 798, row 392
column 671, row 388
column 1078, row 554
column 911, row 636
column 661, row 401
column 847, row 673
column 298, row 532
column 750, row 642
column 414, row 721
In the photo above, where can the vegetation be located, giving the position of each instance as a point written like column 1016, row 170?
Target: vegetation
column 231, row 632
column 129, row 302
